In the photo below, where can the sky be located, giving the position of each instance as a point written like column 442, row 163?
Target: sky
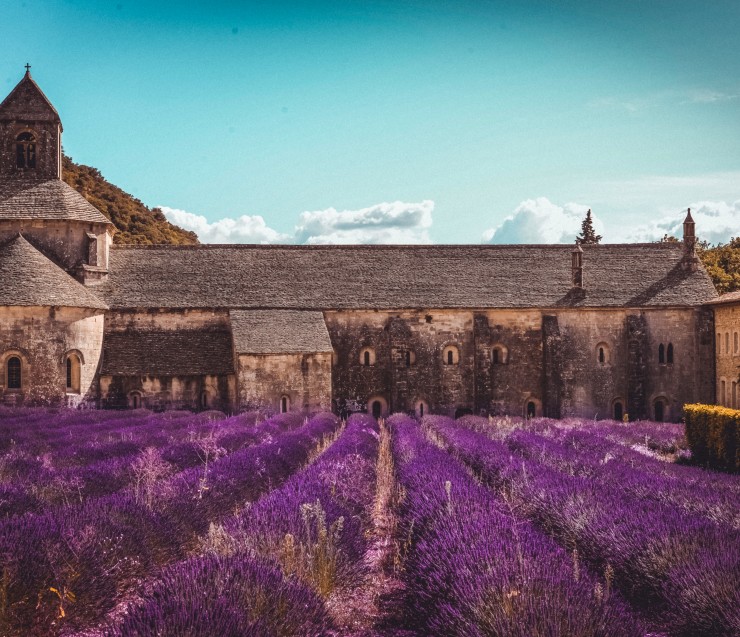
column 398, row 121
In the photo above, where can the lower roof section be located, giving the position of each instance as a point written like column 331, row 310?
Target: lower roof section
column 279, row 332
column 168, row 353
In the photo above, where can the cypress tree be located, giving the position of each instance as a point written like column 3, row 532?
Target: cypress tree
column 588, row 234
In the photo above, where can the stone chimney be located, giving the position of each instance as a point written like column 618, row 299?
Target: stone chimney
column 577, row 266
column 690, row 261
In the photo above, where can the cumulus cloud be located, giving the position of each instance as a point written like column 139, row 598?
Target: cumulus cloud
column 541, row 221
column 395, row 222
column 716, row 222
column 245, row 229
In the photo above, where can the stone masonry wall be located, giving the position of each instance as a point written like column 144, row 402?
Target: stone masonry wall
column 42, row 337
column 264, row 379
column 727, row 331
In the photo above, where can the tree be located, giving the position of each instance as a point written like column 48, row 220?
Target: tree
column 588, row 234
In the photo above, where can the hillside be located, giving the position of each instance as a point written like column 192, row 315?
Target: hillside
column 136, row 223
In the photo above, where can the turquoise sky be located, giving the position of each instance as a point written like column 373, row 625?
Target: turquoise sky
column 226, row 109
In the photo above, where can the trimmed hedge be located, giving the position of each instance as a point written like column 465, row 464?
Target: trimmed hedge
column 713, row 433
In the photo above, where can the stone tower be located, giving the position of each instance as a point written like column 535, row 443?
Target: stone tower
column 31, row 134
column 34, row 201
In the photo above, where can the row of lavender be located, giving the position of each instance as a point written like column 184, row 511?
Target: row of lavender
column 668, row 534
column 280, row 567
column 67, row 566
column 474, row 567
column 64, row 461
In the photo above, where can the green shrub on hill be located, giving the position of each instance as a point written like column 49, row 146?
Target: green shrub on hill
column 136, row 223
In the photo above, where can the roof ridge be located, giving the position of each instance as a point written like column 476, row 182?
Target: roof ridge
column 662, row 245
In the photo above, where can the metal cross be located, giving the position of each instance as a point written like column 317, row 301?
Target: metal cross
column 28, row 67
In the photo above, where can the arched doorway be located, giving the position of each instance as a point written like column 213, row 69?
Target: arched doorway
column 618, row 410
column 377, row 408
column 659, row 408
column 531, row 409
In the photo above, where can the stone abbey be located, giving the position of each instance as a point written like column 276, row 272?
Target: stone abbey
column 596, row 331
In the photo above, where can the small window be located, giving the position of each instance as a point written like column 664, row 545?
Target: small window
column 661, row 354
column 719, row 343
column 134, row 400
column 205, row 400
column 409, row 358
column 727, row 342
column 422, row 409
column 722, row 392
column 734, row 404
column 531, row 409
column 428, row 318
column 499, row 355
column 669, row 354
column 284, row 405
column 450, row 355
column 737, row 343
column 603, row 353
column 25, row 150
column 14, row 373
column 367, row 357
column 602, row 356
column 73, row 369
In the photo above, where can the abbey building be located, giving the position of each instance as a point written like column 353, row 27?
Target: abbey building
column 552, row 330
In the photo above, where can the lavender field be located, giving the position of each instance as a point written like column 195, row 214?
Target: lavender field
column 139, row 524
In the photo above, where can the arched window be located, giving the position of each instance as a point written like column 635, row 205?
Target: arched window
column 204, row 401
column 284, row 404
column 377, row 406
column 669, row 354
column 603, row 353
column 25, row 150
column 531, row 409
column 618, row 410
column 661, row 354
column 727, row 342
column 450, row 355
column 499, row 355
column 14, row 373
column 367, row 357
column 73, row 369
column 409, row 358
column 719, row 343
column 737, row 343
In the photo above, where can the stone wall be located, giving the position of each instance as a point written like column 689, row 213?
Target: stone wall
column 727, row 343
column 42, row 338
column 303, row 380
column 64, row 242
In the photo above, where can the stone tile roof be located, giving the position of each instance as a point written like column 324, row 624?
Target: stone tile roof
column 28, row 102
column 50, row 199
column 279, row 332
column 27, row 277
column 395, row 277
column 729, row 297
column 168, row 353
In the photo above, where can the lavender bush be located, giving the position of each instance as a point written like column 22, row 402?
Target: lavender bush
column 474, row 568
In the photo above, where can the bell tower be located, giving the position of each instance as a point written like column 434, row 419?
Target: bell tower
column 30, row 135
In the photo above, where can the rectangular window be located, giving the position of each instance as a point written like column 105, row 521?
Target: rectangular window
column 737, row 343
column 727, row 342
column 722, row 392
column 734, row 395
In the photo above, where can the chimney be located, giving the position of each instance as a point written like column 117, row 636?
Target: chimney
column 690, row 261
column 577, row 266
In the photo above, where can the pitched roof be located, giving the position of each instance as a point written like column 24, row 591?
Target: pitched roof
column 395, row 277
column 29, row 278
column 279, row 332
column 729, row 297
column 27, row 102
column 50, row 199
column 168, row 353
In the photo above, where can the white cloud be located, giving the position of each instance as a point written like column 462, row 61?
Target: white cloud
column 245, row 229
column 396, row 222
column 541, row 221
column 716, row 222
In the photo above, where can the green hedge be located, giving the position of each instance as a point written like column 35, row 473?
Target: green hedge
column 713, row 433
